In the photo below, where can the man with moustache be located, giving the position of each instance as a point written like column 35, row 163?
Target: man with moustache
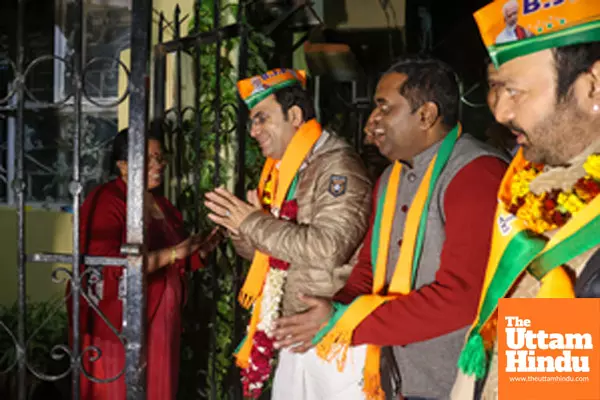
column 548, row 94
column 299, row 229
column 416, row 284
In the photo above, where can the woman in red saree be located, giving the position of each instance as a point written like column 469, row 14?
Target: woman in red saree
column 170, row 249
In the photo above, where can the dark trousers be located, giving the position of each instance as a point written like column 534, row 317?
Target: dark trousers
column 478, row 389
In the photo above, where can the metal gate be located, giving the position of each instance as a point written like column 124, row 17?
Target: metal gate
column 19, row 101
column 199, row 126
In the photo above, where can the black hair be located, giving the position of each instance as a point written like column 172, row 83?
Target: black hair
column 429, row 80
column 572, row 61
column 295, row 95
column 120, row 144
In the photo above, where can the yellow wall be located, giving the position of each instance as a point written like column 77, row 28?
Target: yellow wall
column 46, row 231
column 187, row 74
column 167, row 7
column 365, row 14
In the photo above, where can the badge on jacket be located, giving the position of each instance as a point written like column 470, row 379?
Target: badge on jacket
column 337, row 185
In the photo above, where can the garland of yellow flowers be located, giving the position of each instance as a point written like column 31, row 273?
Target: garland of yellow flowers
column 551, row 210
column 520, row 246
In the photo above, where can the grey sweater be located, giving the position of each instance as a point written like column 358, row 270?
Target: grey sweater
column 428, row 368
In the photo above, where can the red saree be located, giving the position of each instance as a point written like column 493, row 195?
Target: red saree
column 102, row 232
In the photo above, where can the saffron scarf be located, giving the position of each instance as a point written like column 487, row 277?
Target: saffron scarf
column 333, row 341
column 516, row 250
column 283, row 182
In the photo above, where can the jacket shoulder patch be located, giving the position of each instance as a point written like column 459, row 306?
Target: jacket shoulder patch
column 338, row 185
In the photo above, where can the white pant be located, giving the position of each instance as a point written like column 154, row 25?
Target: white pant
column 308, row 377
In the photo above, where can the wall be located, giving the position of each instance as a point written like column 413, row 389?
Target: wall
column 168, row 8
column 46, row 231
column 363, row 14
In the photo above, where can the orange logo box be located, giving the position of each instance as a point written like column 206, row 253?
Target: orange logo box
column 549, row 349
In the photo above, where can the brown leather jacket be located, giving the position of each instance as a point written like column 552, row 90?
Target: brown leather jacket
column 332, row 222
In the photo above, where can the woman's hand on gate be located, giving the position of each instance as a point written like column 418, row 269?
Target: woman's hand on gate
column 206, row 245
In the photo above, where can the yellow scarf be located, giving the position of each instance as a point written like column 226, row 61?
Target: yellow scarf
column 295, row 154
column 515, row 251
column 335, row 343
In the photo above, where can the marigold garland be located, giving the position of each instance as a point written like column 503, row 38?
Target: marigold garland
column 592, row 166
column 551, row 210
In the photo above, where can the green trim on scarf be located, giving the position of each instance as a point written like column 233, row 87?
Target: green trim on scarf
column 583, row 240
column 338, row 310
column 443, row 155
column 585, row 33
column 522, row 253
column 519, row 253
column 292, row 190
column 239, row 347
column 377, row 228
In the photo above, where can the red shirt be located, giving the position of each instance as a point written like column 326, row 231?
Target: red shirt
column 450, row 302
column 103, row 228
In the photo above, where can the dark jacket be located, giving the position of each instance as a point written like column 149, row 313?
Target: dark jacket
column 588, row 283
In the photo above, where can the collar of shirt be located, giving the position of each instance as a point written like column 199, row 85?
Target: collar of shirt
column 421, row 161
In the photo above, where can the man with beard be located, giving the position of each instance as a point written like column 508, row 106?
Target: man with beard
column 548, row 94
column 416, row 284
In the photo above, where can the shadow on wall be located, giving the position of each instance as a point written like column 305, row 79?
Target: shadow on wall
column 46, row 231
column 335, row 12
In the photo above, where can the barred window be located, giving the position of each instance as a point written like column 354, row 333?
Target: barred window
column 49, row 128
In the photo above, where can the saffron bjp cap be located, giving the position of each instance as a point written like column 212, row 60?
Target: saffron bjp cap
column 540, row 25
column 257, row 88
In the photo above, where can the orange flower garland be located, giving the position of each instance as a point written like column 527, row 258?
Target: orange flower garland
column 551, row 210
